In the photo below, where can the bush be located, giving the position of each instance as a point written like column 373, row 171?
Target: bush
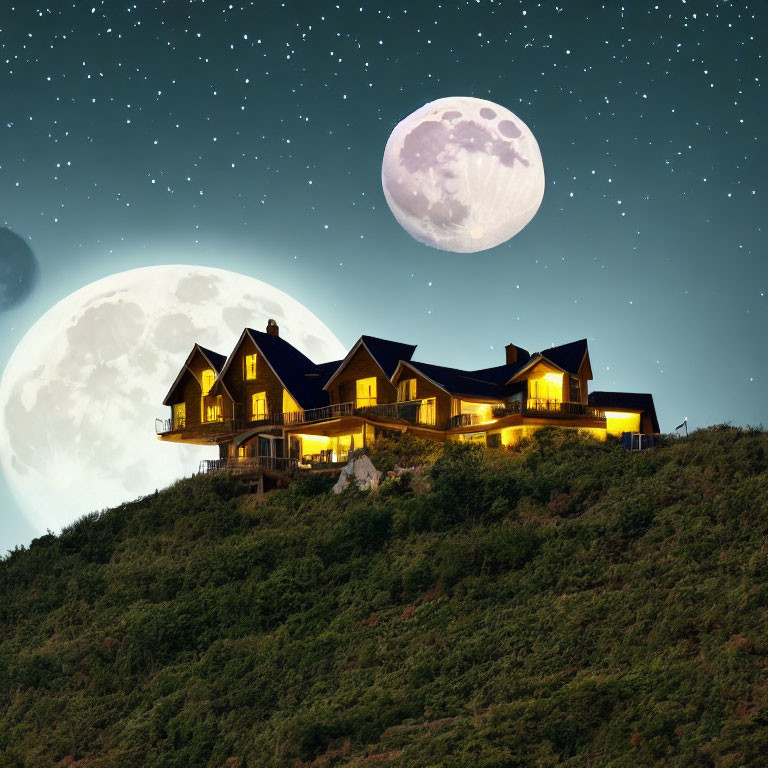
column 566, row 603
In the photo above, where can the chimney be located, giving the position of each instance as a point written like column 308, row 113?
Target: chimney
column 272, row 328
column 511, row 354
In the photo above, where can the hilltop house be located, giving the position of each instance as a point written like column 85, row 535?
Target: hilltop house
column 270, row 405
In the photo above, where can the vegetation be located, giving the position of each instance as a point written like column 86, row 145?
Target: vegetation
column 566, row 604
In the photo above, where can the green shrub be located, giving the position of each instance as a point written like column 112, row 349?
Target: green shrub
column 565, row 603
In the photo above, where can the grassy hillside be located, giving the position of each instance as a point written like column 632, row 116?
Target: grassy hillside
column 568, row 604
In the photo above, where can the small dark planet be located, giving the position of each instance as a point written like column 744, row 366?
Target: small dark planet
column 18, row 269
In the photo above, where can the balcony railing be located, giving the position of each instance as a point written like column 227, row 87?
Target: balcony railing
column 335, row 411
column 163, row 425
column 170, row 425
column 558, row 409
column 411, row 411
column 243, row 466
column 536, row 408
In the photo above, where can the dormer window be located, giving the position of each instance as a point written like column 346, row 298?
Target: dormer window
column 249, row 370
column 207, row 380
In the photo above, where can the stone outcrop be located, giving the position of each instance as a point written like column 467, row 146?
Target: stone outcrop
column 365, row 474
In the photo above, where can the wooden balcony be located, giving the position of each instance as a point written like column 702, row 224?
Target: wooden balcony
column 547, row 409
column 409, row 412
column 559, row 410
column 242, row 466
column 164, row 426
column 412, row 412
column 206, row 429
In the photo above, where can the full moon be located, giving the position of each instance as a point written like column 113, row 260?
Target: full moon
column 462, row 174
column 79, row 396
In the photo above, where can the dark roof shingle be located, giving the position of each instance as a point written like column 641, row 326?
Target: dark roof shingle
column 388, row 353
column 291, row 366
column 214, row 358
column 463, row 382
column 567, row 356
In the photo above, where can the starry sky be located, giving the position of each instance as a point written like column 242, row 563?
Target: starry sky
column 249, row 136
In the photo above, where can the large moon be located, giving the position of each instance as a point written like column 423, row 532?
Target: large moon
column 79, row 396
column 462, row 174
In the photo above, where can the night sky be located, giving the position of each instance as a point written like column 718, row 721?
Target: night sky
column 249, row 136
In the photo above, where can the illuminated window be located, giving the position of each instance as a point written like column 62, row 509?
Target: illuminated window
column 477, row 413
column 406, row 390
column 366, row 392
column 249, row 364
column 545, row 390
column 179, row 415
column 207, row 380
column 213, row 409
column 427, row 411
column 618, row 422
column 258, row 406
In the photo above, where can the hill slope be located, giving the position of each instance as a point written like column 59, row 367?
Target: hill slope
column 569, row 604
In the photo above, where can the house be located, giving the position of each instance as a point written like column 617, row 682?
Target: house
column 269, row 405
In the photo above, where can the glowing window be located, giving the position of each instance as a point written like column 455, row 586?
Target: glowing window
column 406, row 390
column 618, row 422
column 546, row 389
column 479, row 413
column 427, row 412
column 249, row 364
column 213, row 409
column 258, row 406
column 179, row 415
column 207, row 380
column 366, row 392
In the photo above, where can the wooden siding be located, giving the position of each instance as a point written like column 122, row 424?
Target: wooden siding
column 426, row 389
column 242, row 389
column 190, row 389
column 538, row 370
column 584, row 376
column 361, row 366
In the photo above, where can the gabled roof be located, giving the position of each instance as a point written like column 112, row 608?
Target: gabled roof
column 500, row 374
column 324, row 371
column 386, row 354
column 567, row 356
column 626, row 401
column 293, row 368
column 456, row 382
column 214, row 359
